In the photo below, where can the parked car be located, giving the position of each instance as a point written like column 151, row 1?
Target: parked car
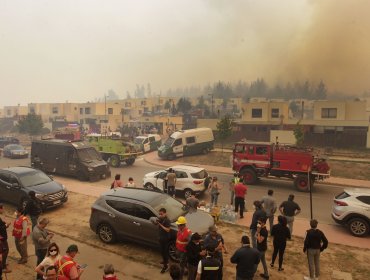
column 17, row 182
column 352, row 208
column 148, row 143
column 189, row 179
column 6, row 140
column 15, row 151
column 127, row 213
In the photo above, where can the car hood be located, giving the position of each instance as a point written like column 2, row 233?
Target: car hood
column 151, row 174
column 18, row 151
column 199, row 221
column 50, row 187
column 94, row 163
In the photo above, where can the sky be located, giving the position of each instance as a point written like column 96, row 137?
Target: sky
column 76, row 50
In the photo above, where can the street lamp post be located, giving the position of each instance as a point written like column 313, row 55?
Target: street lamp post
column 211, row 94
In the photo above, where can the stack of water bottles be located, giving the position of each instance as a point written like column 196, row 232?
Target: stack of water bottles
column 228, row 214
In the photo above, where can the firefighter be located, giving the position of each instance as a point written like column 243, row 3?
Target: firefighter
column 68, row 269
column 182, row 240
column 21, row 231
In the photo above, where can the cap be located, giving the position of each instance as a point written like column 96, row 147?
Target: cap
column 181, row 220
column 213, row 228
column 72, row 248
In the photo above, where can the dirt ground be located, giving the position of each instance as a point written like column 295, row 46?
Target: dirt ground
column 76, row 227
column 343, row 169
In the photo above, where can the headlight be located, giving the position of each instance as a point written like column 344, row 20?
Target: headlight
column 40, row 196
column 90, row 169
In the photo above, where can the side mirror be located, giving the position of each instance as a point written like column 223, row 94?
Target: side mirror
column 16, row 186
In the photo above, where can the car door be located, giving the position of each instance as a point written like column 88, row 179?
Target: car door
column 160, row 179
column 146, row 145
column 143, row 228
column 14, row 190
column 178, row 147
column 121, row 218
column 182, row 180
column 5, row 186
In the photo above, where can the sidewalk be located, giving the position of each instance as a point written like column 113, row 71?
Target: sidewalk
column 152, row 158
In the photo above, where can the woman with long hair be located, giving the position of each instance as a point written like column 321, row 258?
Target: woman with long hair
column 281, row 233
column 52, row 256
column 214, row 190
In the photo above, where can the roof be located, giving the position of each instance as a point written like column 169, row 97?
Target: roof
column 187, row 167
column 61, row 142
column 138, row 194
column 254, row 143
column 19, row 169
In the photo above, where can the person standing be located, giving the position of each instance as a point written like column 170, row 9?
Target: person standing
column 164, row 225
column 117, row 183
column 21, row 231
column 214, row 190
column 246, row 260
column 194, row 253
column 109, row 273
column 41, row 239
column 269, row 204
column 281, row 233
column 290, row 209
column 193, row 203
column 50, row 259
column 314, row 243
column 216, row 241
column 4, row 224
column 235, row 180
column 171, row 182
column 130, row 183
column 66, row 265
column 240, row 191
column 208, row 268
column 182, row 240
column 259, row 213
column 33, row 208
column 262, row 234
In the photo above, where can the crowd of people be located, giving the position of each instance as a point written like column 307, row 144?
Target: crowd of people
column 199, row 257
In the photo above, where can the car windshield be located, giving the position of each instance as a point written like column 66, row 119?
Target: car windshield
column 174, row 208
column 34, row 178
column 169, row 141
column 15, row 147
column 88, row 154
column 200, row 175
column 138, row 140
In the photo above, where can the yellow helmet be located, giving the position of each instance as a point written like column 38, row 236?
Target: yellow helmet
column 181, row 220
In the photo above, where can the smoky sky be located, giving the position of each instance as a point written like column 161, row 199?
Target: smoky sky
column 76, row 50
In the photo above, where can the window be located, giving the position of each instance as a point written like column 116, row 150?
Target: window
column 151, row 139
column 256, row 113
column 261, row 150
column 81, row 111
column 55, row 110
column 190, row 140
column 87, row 110
column 110, row 111
column 143, row 213
column 239, row 149
column 251, row 150
column 122, row 206
column 181, row 174
column 145, row 141
column 364, row 198
column 5, row 178
column 329, row 113
column 177, row 142
column 32, row 110
column 274, row 112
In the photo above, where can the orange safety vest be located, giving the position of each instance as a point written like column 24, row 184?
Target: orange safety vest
column 18, row 228
column 64, row 265
column 182, row 239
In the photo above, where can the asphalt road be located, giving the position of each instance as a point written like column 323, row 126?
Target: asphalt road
column 322, row 197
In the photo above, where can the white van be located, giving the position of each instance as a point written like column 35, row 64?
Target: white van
column 148, row 143
column 187, row 142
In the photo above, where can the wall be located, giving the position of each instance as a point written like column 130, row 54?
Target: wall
column 284, row 136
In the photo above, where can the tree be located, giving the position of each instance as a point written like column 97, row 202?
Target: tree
column 299, row 134
column 224, row 130
column 31, row 124
column 320, row 91
column 183, row 105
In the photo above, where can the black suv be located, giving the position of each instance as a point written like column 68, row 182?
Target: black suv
column 125, row 213
column 17, row 182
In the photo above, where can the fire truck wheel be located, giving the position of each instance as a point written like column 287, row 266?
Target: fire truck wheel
column 301, row 183
column 114, row 161
column 249, row 176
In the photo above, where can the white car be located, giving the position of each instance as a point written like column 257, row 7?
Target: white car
column 189, row 179
column 352, row 208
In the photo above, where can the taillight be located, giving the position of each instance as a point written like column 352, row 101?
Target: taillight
column 198, row 182
column 340, row 203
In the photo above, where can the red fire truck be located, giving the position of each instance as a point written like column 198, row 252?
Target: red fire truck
column 253, row 160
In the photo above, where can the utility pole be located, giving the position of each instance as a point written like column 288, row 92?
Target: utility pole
column 211, row 94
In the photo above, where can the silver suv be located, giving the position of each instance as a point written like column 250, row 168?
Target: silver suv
column 125, row 213
column 352, row 208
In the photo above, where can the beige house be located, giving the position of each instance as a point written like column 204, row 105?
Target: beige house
column 14, row 111
column 265, row 112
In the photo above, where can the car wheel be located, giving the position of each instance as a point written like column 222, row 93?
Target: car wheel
column 172, row 251
column 171, row 157
column 114, row 161
column 358, row 227
column 249, row 176
column 301, row 183
column 81, row 176
column 24, row 202
column 149, row 186
column 106, row 233
column 187, row 193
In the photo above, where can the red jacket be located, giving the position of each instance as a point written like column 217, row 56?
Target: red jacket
column 240, row 190
column 18, row 227
column 182, row 239
column 110, row 277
